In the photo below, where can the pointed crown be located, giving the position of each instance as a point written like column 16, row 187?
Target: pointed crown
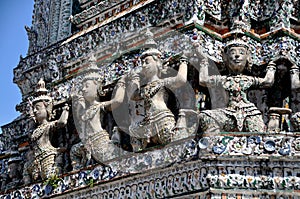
column 41, row 93
column 150, row 46
column 92, row 71
column 236, row 42
column 238, row 39
column 151, row 51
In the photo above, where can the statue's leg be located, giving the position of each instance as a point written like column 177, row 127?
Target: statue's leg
column 102, row 148
column 138, row 144
column 59, row 161
column 295, row 120
column 77, row 154
column 48, row 167
column 207, row 123
column 187, row 124
column 254, row 123
column 36, row 170
column 27, row 173
column 165, row 128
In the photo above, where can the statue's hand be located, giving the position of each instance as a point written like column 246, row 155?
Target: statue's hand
column 66, row 107
column 198, row 50
column 73, row 92
column 61, row 149
column 284, row 60
column 103, row 105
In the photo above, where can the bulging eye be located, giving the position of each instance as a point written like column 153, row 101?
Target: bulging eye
column 232, row 52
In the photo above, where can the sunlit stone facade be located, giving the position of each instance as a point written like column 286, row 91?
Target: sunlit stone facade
column 155, row 127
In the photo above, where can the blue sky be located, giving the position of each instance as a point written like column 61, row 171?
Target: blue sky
column 14, row 15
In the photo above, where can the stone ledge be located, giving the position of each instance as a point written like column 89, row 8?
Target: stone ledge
column 196, row 171
column 269, row 145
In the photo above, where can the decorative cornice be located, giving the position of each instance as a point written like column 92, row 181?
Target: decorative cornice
column 103, row 20
column 178, row 169
column 105, row 10
column 67, row 59
column 97, row 37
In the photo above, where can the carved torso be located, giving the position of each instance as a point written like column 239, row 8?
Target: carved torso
column 237, row 86
column 155, row 96
column 157, row 115
column 91, row 122
column 41, row 136
column 238, row 105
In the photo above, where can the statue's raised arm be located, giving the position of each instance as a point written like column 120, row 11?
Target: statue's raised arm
column 269, row 78
column 295, row 81
column 295, row 86
column 203, row 69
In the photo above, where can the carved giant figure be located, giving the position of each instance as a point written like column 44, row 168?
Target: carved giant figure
column 240, row 114
column 158, row 123
column 88, row 111
column 44, row 152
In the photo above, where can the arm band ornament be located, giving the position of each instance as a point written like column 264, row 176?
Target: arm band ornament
column 121, row 83
column 294, row 69
column 271, row 66
column 183, row 59
column 204, row 62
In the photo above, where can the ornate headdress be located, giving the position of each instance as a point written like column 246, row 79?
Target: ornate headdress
column 151, row 51
column 238, row 39
column 236, row 42
column 151, row 46
column 41, row 93
column 92, row 72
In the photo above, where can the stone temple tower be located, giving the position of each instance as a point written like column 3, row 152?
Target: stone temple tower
column 157, row 99
column 50, row 24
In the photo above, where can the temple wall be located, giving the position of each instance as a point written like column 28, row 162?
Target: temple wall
column 64, row 36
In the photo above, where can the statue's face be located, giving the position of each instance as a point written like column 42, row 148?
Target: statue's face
column 89, row 90
column 12, row 170
column 149, row 66
column 237, row 58
column 40, row 111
